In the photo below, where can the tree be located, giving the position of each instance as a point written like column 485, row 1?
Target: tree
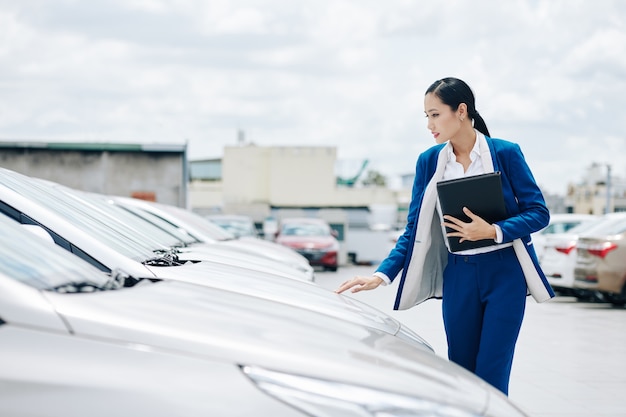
column 374, row 178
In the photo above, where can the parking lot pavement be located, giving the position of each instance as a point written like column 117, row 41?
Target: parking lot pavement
column 570, row 359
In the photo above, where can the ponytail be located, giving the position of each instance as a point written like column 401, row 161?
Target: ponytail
column 479, row 123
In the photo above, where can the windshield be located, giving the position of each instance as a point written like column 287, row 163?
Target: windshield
column 236, row 226
column 586, row 226
column 32, row 260
column 562, row 227
column 611, row 226
column 304, row 229
column 203, row 225
column 102, row 226
column 168, row 228
column 133, row 223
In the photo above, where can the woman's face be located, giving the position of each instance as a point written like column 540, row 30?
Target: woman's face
column 442, row 121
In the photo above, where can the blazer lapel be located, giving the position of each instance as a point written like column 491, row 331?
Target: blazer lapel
column 414, row 287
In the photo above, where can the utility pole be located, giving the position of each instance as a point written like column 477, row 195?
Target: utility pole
column 608, row 188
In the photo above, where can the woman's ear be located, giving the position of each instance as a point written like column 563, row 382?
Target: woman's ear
column 461, row 111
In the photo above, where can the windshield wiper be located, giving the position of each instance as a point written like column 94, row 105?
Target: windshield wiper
column 165, row 258
column 118, row 279
column 77, row 287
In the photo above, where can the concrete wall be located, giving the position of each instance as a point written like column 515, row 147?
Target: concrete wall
column 245, row 175
column 158, row 174
column 302, row 176
column 298, row 176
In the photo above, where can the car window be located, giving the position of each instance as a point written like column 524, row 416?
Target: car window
column 172, row 230
column 560, row 227
column 199, row 223
column 32, row 260
column 304, row 230
column 127, row 223
column 235, row 226
column 585, row 226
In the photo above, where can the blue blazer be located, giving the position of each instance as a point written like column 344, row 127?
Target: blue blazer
column 525, row 206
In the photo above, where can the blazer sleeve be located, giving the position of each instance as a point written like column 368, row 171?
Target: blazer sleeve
column 524, row 199
column 396, row 260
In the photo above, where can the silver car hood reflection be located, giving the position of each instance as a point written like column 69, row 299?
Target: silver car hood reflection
column 227, row 254
column 297, row 293
column 221, row 325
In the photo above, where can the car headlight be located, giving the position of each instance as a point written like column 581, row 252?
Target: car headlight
column 321, row 398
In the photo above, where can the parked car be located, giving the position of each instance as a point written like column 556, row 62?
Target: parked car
column 78, row 342
column 313, row 238
column 601, row 260
column 203, row 232
column 559, row 223
column 238, row 225
column 107, row 243
column 559, row 259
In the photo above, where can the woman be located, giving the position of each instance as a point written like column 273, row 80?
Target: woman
column 483, row 290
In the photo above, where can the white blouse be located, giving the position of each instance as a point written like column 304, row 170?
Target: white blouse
column 455, row 170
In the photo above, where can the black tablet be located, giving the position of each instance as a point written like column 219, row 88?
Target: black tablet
column 482, row 194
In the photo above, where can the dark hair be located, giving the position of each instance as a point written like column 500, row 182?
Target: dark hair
column 452, row 91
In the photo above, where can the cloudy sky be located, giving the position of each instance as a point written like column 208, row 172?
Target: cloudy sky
column 548, row 74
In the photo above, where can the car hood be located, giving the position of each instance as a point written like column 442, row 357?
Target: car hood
column 220, row 325
column 308, row 242
column 270, row 249
column 233, row 255
column 302, row 294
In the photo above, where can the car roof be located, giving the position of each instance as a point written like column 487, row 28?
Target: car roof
column 613, row 224
column 570, row 216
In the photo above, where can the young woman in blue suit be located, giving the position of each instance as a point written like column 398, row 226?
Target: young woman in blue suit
column 483, row 290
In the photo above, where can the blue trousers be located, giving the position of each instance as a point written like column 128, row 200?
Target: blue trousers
column 484, row 297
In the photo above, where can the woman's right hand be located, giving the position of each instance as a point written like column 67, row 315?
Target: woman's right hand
column 359, row 284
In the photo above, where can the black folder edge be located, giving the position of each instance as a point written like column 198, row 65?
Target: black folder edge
column 483, row 192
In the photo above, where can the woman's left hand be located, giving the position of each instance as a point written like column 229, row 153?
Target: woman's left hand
column 476, row 229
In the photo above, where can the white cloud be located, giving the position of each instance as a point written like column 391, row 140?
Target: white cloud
column 350, row 73
column 604, row 49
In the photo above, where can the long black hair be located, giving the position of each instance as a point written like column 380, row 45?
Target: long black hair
column 452, row 92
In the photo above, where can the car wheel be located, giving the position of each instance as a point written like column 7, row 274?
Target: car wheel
column 618, row 300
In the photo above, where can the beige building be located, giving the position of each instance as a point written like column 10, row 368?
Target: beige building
column 263, row 181
column 599, row 192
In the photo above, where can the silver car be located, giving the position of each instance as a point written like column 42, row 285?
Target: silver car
column 78, row 342
column 559, row 259
column 601, row 260
column 559, row 223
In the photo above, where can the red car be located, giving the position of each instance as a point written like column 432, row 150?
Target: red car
column 313, row 238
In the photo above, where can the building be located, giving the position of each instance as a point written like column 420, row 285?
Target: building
column 155, row 172
column 266, row 181
column 598, row 193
